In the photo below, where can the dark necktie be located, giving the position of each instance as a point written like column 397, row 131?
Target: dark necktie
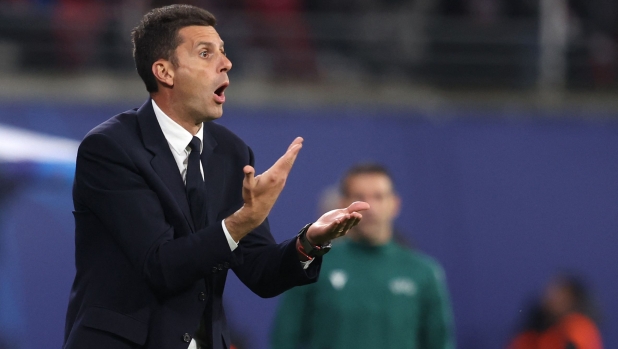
column 196, row 193
column 196, row 189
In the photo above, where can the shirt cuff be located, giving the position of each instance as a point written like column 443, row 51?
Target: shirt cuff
column 233, row 244
column 306, row 264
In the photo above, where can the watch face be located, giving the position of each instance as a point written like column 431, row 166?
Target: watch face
column 321, row 250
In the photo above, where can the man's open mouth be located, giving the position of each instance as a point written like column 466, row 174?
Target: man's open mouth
column 219, row 94
column 220, row 89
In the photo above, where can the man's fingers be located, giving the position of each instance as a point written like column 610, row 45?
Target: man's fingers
column 290, row 155
column 334, row 225
column 297, row 140
column 355, row 221
column 349, row 223
column 249, row 176
column 358, row 206
column 287, row 160
column 341, row 225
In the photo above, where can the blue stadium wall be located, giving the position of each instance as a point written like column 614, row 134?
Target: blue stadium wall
column 502, row 201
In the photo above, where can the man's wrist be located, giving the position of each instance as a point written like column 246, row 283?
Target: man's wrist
column 309, row 249
column 302, row 255
column 240, row 223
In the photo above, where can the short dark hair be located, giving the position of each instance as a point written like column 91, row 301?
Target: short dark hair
column 361, row 169
column 156, row 37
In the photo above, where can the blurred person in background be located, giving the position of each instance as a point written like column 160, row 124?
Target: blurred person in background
column 562, row 320
column 330, row 199
column 374, row 292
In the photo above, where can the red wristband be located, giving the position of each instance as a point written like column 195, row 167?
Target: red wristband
column 301, row 250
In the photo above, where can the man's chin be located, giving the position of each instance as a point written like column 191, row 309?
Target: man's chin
column 214, row 113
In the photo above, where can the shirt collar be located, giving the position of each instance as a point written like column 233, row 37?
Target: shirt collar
column 177, row 136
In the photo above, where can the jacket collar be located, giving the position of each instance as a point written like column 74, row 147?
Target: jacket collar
column 163, row 161
column 165, row 166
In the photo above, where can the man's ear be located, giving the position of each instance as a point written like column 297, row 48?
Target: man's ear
column 163, row 71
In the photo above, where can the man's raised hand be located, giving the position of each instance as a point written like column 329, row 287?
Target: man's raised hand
column 261, row 192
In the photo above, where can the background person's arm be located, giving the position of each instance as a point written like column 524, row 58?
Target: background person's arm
column 438, row 328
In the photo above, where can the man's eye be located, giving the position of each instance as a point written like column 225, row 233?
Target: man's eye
column 204, row 54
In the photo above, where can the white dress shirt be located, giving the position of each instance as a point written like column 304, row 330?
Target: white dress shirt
column 178, row 139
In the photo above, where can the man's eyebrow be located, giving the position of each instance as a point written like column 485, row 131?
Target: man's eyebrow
column 207, row 43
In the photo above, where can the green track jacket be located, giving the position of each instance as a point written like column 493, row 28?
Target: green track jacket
column 385, row 297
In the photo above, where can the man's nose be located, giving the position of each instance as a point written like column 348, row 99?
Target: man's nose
column 226, row 64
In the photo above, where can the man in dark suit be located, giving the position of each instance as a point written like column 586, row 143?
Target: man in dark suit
column 167, row 201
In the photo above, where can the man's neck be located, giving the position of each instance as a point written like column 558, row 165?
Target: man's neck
column 173, row 111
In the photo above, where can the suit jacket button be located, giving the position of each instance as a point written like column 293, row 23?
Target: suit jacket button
column 220, row 266
column 215, row 269
column 186, row 338
column 202, row 296
column 226, row 265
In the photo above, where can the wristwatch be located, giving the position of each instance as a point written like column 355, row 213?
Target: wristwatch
column 309, row 249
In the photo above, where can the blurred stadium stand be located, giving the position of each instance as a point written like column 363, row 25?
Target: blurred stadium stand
column 421, row 52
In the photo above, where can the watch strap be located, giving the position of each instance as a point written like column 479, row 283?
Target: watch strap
column 308, row 249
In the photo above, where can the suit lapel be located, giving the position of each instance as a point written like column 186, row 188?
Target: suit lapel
column 213, row 164
column 163, row 161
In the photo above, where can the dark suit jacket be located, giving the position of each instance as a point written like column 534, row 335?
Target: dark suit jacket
column 144, row 276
